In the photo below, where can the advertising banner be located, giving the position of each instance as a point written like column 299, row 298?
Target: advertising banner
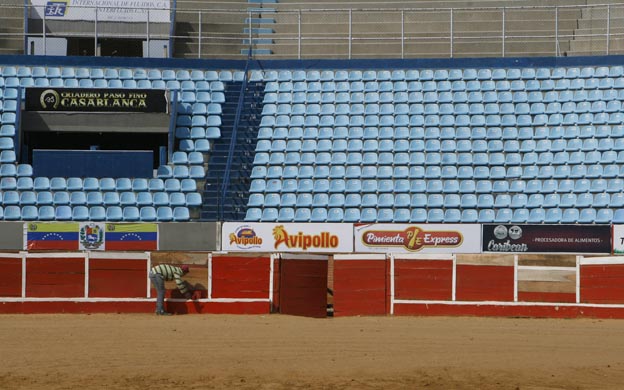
column 618, row 239
column 287, row 237
column 421, row 238
column 92, row 236
column 95, row 100
column 128, row 11
column 547, row 238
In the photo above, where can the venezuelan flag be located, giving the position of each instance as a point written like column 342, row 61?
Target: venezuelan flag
column 52, row 236
column 131, row 236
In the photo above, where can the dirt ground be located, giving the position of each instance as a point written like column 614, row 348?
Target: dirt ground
column 282, row 352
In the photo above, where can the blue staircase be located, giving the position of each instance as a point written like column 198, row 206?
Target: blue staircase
column 260, row 21
column 233, row 206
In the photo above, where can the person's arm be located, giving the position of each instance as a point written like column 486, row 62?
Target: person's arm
column 182, row 286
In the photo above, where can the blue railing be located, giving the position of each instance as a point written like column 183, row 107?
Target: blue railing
column 228, row 166
column 172, row 123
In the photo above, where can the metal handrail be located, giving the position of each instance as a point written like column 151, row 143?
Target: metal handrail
column 239, row 109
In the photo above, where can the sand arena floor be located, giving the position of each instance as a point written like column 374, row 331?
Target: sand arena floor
column 140, row 351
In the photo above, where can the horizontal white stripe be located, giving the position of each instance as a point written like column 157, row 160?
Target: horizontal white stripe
column 363, row 256
column 497, row 303
column 94, row 300
column 602, row 260
column 539, row 268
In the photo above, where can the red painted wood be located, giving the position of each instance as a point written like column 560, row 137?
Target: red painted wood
column 303, row 287
column 525, row 296
column 476, row 309
column 360, row 287
column 10, row 277
column 134, row 307
column 423, row 279
column 55, row 277
column 117, row 278
column 484, row 283
column 602, row 283
column 241, row 277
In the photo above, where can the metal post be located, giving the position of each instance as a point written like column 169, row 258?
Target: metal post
column 200, row 35
column 451, row 40
column 402, row 33
column 608, row 27
column 250, row 34
column 147, row 33
column 95, row 38
column 45, row 45
column 299, row 34
column 556, row 31
column 503, row 32
column 350, row 30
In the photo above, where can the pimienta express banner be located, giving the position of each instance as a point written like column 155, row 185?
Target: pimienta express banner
column 547, row 238
column 95, row 100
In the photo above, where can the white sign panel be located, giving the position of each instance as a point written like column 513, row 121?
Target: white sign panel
column 287, row 237
column 156, row 11
column 418, row 238
column 618, row 239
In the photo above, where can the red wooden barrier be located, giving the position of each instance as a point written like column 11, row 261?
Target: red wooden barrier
column 361, row 285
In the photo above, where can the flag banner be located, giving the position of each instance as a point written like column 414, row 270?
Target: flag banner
column 131, row 236
column 51, row 236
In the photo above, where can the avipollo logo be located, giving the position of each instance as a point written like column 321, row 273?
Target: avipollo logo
column 304, row 241
column 413, row 238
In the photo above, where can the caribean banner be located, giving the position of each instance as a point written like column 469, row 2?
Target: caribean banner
column 513, row 238
column 93, row 236
column 287, row 237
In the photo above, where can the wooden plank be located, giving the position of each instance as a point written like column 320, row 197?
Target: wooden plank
column 423, row 279
column 303, row 288
column 485, row 283
column 55, row 277
column 360, row 287
column 11, row 280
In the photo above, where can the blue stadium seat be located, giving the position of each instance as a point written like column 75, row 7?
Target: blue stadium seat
column 80, row 213
column 163, row 214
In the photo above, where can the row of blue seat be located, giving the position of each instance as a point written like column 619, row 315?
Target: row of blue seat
column 199, row 120
column 526, row 73
column 427, row 120
column 197, row 132
column 443, row 97
column 95, row 213
column 447, row 172
column 96, row 198
column 106, row 184
column 423, row 200
column 443, row 133
column 120, row 73
column 448, row 86
column 443, row 146
column 546, row 186
column 534, row 108
column 421, row 215
column 437, row 158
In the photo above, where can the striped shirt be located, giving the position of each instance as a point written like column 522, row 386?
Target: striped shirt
column 170, row 273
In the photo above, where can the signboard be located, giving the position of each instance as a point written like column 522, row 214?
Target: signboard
column 618, row 239
column 411, row 238
column 156, row 11
column 95, row 100
column 287, row 237
column 92, row 236
column 547, row 238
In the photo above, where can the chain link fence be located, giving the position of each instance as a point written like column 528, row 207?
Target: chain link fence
column 322, row 33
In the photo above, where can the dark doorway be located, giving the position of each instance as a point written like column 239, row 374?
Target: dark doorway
column 81, row 47
column 110, row 47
